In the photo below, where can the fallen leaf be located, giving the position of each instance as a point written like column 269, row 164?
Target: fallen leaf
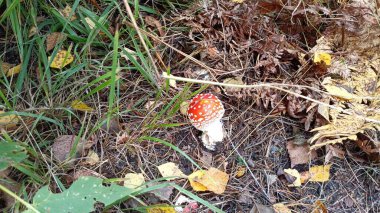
column 86, row 172
column 133, row 180
column 339, row 92
column 320, row 173
column 8, row 121
column 320, row 57
column 319, row 207
column 305, row 176
column 61, row 59
column 184, row 107
column 63, row 144
column 66, row 12
column 294, row 173
column 281, row 208
column 9, row 69
column 164, row 208
column 53, row 39
column 333, row 151
column 114, row 125
column 130, row 52
column 163, row 193
column 90, row 23
column 300, row 154
column 235, row 80
column 206, row 159
column 92, row 158
column 79, row 105
column 32, row 32
column 240, row 171
column 324, row 110
column 194, row 177
column 214, row 180
column 170, row 169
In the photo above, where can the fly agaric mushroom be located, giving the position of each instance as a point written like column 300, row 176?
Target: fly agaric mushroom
column 205, row 113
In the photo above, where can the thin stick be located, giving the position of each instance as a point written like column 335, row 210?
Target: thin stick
column 18, row 198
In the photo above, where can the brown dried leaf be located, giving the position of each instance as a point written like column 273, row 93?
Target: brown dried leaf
column 63, row 144
column 53, row 39
column 300, row 154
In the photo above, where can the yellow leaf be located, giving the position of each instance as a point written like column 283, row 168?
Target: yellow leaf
column 296, row 174
column 240, row 171
column 320, row 173
column 238, row 1
column 164, row 208
column 79, row 105
column 320, row 57
column 9, row 69
column 61, row 59
column 133, row 180
column 170, row 169
column 194, row 177
column 281, row 208
column 215, row 180
column 339, row 92
column 8, row 121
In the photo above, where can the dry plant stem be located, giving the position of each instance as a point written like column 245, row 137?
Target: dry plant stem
column 30, row 207
column 273, row 86
column 130, row 14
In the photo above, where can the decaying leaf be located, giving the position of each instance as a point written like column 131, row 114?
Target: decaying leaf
column 9, row 69
column 212, row 180
column 281, row 208
column 8, row 121
column 300, row 154
column 61, row 59
column 53, row 39
column 81, row 106
column 237, row 81
column 32, row 31
column 238, row 1
column 63, row 144
column 92, row 158
column 333, row 151
column 322, row 57
column 67, row 11
column 240, row 171
column 162, row 208
column 163, row 193
column 259, row 208
column 294, row 173
column 133, row 180
column 319, row 207
column 339, row 92
column 320, row 173
column 169, row 170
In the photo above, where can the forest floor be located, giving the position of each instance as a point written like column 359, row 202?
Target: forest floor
column 306, row 95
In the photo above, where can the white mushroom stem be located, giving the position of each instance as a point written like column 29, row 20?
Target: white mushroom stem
column 212, row 134
column 214, row 130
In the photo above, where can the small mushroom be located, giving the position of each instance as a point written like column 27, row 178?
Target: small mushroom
column 205, row 113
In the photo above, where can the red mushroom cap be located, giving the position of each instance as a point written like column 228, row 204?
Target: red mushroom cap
column 204, row 109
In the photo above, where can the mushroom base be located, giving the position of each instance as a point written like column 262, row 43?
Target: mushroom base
column 212, row 134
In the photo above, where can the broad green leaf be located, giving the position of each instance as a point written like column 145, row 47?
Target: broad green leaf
column 80, row 197
column 11, row 154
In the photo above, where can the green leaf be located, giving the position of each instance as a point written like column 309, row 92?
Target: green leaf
column 80, row 197
column 11, row 154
